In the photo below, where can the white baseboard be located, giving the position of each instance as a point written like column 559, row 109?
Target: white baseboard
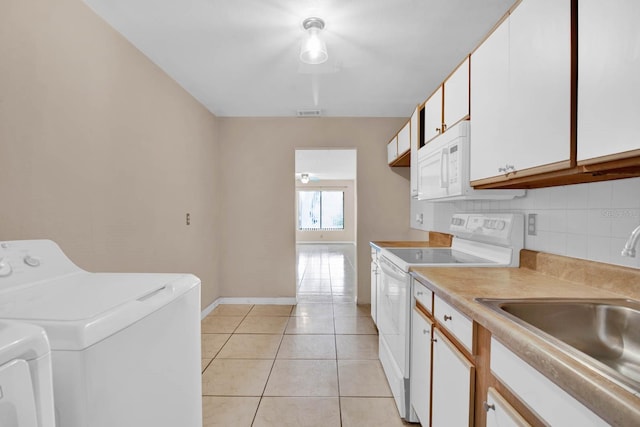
column 323, row 242
column 257, row 301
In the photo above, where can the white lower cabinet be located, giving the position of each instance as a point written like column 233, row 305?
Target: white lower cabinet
column 500, row 413
column 421, row 332
column 453, row 385
column 552, row 404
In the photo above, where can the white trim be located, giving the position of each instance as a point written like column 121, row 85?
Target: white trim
column 257, row 301
column 323, row 242
column 208, row 309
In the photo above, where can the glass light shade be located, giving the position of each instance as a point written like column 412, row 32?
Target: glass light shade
column 313, row 50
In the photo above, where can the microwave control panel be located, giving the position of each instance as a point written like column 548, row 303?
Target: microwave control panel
column 453, row 164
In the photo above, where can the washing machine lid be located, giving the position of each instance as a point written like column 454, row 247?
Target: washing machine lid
column 22, row 341
column 81, row 309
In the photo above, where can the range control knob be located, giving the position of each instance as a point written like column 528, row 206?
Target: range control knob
column 31, row 261
column 5, row 268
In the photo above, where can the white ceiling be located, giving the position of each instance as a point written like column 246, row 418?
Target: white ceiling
column 326, row 164
column 240, row 57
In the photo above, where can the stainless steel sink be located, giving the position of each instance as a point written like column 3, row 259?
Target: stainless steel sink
column 602, row 333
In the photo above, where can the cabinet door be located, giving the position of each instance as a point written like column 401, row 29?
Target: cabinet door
column 453, row 383
column 392, row 149
column 456, row 95
column 521, row 94
column 414, row 152
column 404, row 139
column 608, row 84
column 539, row 85
column 489, row 104
column 421, row 329
column 500, row 413
column 433, row 116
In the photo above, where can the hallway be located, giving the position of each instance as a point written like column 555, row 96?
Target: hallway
column 326, row 273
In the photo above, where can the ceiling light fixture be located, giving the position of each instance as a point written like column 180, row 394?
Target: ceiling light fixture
column 313, row 50
column 304, row 178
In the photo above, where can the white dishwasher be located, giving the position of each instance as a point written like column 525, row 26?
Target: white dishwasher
column 125, row 347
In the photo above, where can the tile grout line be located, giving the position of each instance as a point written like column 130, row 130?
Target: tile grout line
column 335, row 340
column 275, row 356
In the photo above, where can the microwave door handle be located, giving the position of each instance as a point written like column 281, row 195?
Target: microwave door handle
column 444, row 168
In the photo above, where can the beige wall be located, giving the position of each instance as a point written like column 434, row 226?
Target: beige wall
column 348, row 233
column 257, row 160
column 100, row 150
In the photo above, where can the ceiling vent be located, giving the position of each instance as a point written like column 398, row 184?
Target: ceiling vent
column 309, row 113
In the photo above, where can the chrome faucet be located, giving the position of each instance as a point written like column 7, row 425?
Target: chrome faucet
column 630, row 246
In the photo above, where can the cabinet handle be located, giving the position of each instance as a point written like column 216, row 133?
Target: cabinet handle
column 434, row 340
column 438, row 130
column 420, row 293
column 488, row 407
column 506, row 169
column 444, row 127
column 447, row 318
column 425, row 331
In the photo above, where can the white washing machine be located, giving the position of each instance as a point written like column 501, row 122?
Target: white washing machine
column 26, row 390
column 125, row 347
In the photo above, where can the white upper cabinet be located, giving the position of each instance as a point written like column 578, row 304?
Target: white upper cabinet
column 392, row 149
column 608, row 79
column 415, row 144
column 399, row 148
column 521, row 94
column 456, row 95
column 489, row 103
column 404, row 139
column 433, row 115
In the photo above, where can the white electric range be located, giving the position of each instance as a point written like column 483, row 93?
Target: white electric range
column 480, row 240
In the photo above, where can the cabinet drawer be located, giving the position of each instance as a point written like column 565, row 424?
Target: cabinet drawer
column 554, row 405
column 423, row 295
column 455, row 322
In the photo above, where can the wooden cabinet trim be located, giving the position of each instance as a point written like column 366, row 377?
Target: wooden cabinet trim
column 420, row 309
column 402, row 160
column 633, row 156
column 485, row 379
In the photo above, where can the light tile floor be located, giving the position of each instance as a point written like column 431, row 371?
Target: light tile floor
column 313, row 364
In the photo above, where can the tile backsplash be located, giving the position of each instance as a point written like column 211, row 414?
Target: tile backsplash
column 588, row 221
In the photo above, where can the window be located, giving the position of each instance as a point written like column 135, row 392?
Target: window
column 320, row 210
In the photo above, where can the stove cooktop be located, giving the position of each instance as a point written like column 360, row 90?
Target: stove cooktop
column 436, row 256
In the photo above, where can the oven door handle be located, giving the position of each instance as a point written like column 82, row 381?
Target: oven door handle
column 390, row 269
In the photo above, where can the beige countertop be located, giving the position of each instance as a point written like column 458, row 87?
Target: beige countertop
column 460, row 287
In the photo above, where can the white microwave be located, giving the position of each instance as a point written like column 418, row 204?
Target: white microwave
column 443, row 169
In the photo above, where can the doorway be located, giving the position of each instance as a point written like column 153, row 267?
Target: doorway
column 326, row 225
